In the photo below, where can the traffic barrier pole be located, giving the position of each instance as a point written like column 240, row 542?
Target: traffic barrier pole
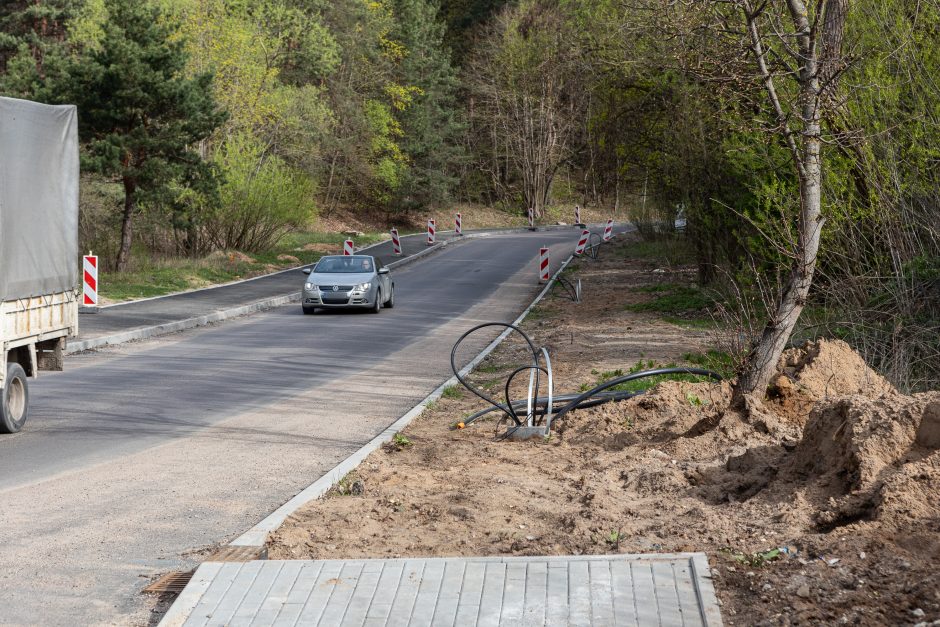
column 432, row 229
column 577, row 215
column 348, row 247
column 543, row 265
column 531, row 219
column 90, row 280
column 396, row 243
column 457, row 225
column 582, row 242
column 608, row 230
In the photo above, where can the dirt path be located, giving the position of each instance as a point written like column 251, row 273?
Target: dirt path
column 818, row 506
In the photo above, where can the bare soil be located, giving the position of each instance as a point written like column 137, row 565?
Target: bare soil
column 816, row 505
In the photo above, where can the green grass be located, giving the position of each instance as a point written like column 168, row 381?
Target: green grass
column 682, row 305
column 452, row 391
column 168, row 277
column 674, row 299
column 641, row 385
column 667, row 251
column 536, row 313
column 658, row 288
column 719, row 361
column 691, row 323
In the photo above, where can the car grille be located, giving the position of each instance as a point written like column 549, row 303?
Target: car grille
column 334, row 300
column 341, row 288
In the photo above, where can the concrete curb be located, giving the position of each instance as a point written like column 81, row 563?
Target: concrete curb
column 179, row 325
column 257, row 535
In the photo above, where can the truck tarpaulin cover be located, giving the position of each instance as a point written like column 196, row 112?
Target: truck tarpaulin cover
column 38, row 199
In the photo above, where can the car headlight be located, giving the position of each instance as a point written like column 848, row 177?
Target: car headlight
column 309, row 286
column 362, row 287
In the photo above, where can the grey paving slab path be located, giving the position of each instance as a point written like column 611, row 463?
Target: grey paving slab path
column 637, row 590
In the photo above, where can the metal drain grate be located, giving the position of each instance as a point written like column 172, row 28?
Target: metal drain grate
column 171, row 582
column 175, row 582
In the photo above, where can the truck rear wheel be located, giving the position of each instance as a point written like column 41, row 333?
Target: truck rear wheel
column 14, row 407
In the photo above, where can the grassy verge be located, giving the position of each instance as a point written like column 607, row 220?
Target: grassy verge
column 721, row 363
column 682, row 305
column 672, row 251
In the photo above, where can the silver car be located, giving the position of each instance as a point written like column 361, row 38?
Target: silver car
column 359, row 281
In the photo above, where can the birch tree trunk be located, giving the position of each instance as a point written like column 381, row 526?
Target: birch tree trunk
column 806, row 149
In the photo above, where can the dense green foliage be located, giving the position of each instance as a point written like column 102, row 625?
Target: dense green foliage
column 346, row 103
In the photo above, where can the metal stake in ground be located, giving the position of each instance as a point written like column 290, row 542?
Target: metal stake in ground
column 432, row 229
column 582, row 242
column 543, row 265
column 348, row 247
column 457, row 225
column 531, row 219
column 396, row 243
column 609, row 230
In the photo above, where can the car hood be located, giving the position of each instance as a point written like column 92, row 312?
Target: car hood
column 339, row 278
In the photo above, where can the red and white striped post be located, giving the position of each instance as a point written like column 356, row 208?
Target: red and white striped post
column 396, row 243
column 582, row 242
column 90, row 280
column 348, row 247
column 531, row 219
column 577, row 215
column 432, row 229
column 458, row 226
column 609, row 230
column 543, row 265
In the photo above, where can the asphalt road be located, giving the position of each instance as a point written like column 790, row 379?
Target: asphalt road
column 139, row 459
column 168, row 309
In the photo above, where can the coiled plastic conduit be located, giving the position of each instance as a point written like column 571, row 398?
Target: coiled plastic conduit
column 541, row 406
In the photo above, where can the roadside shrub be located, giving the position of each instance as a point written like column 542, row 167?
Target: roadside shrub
column 261, row 200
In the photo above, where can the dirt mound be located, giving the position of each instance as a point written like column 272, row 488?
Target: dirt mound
column 870, row 458
column 232, row 256
column 818, row 371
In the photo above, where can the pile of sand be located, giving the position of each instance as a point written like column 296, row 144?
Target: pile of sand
column 818, row 371
column 867, row 458
column 842, row 441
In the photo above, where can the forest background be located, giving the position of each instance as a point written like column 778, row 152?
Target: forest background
column 233, row 125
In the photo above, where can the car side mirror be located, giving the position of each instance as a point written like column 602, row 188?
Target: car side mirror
column 383, row 270
column 306, row 270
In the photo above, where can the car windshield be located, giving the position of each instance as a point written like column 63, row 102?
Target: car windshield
column 347, row 264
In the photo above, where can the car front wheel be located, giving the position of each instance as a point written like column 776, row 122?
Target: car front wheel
column 391, row 297
column 377, row 307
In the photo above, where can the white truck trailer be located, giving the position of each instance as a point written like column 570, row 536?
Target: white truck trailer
column 39, row 173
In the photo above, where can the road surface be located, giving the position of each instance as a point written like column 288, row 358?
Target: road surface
column 142, row 458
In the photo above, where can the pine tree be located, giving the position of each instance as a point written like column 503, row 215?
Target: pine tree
column 32, row 37
column 431, row 130
column 139, row 115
